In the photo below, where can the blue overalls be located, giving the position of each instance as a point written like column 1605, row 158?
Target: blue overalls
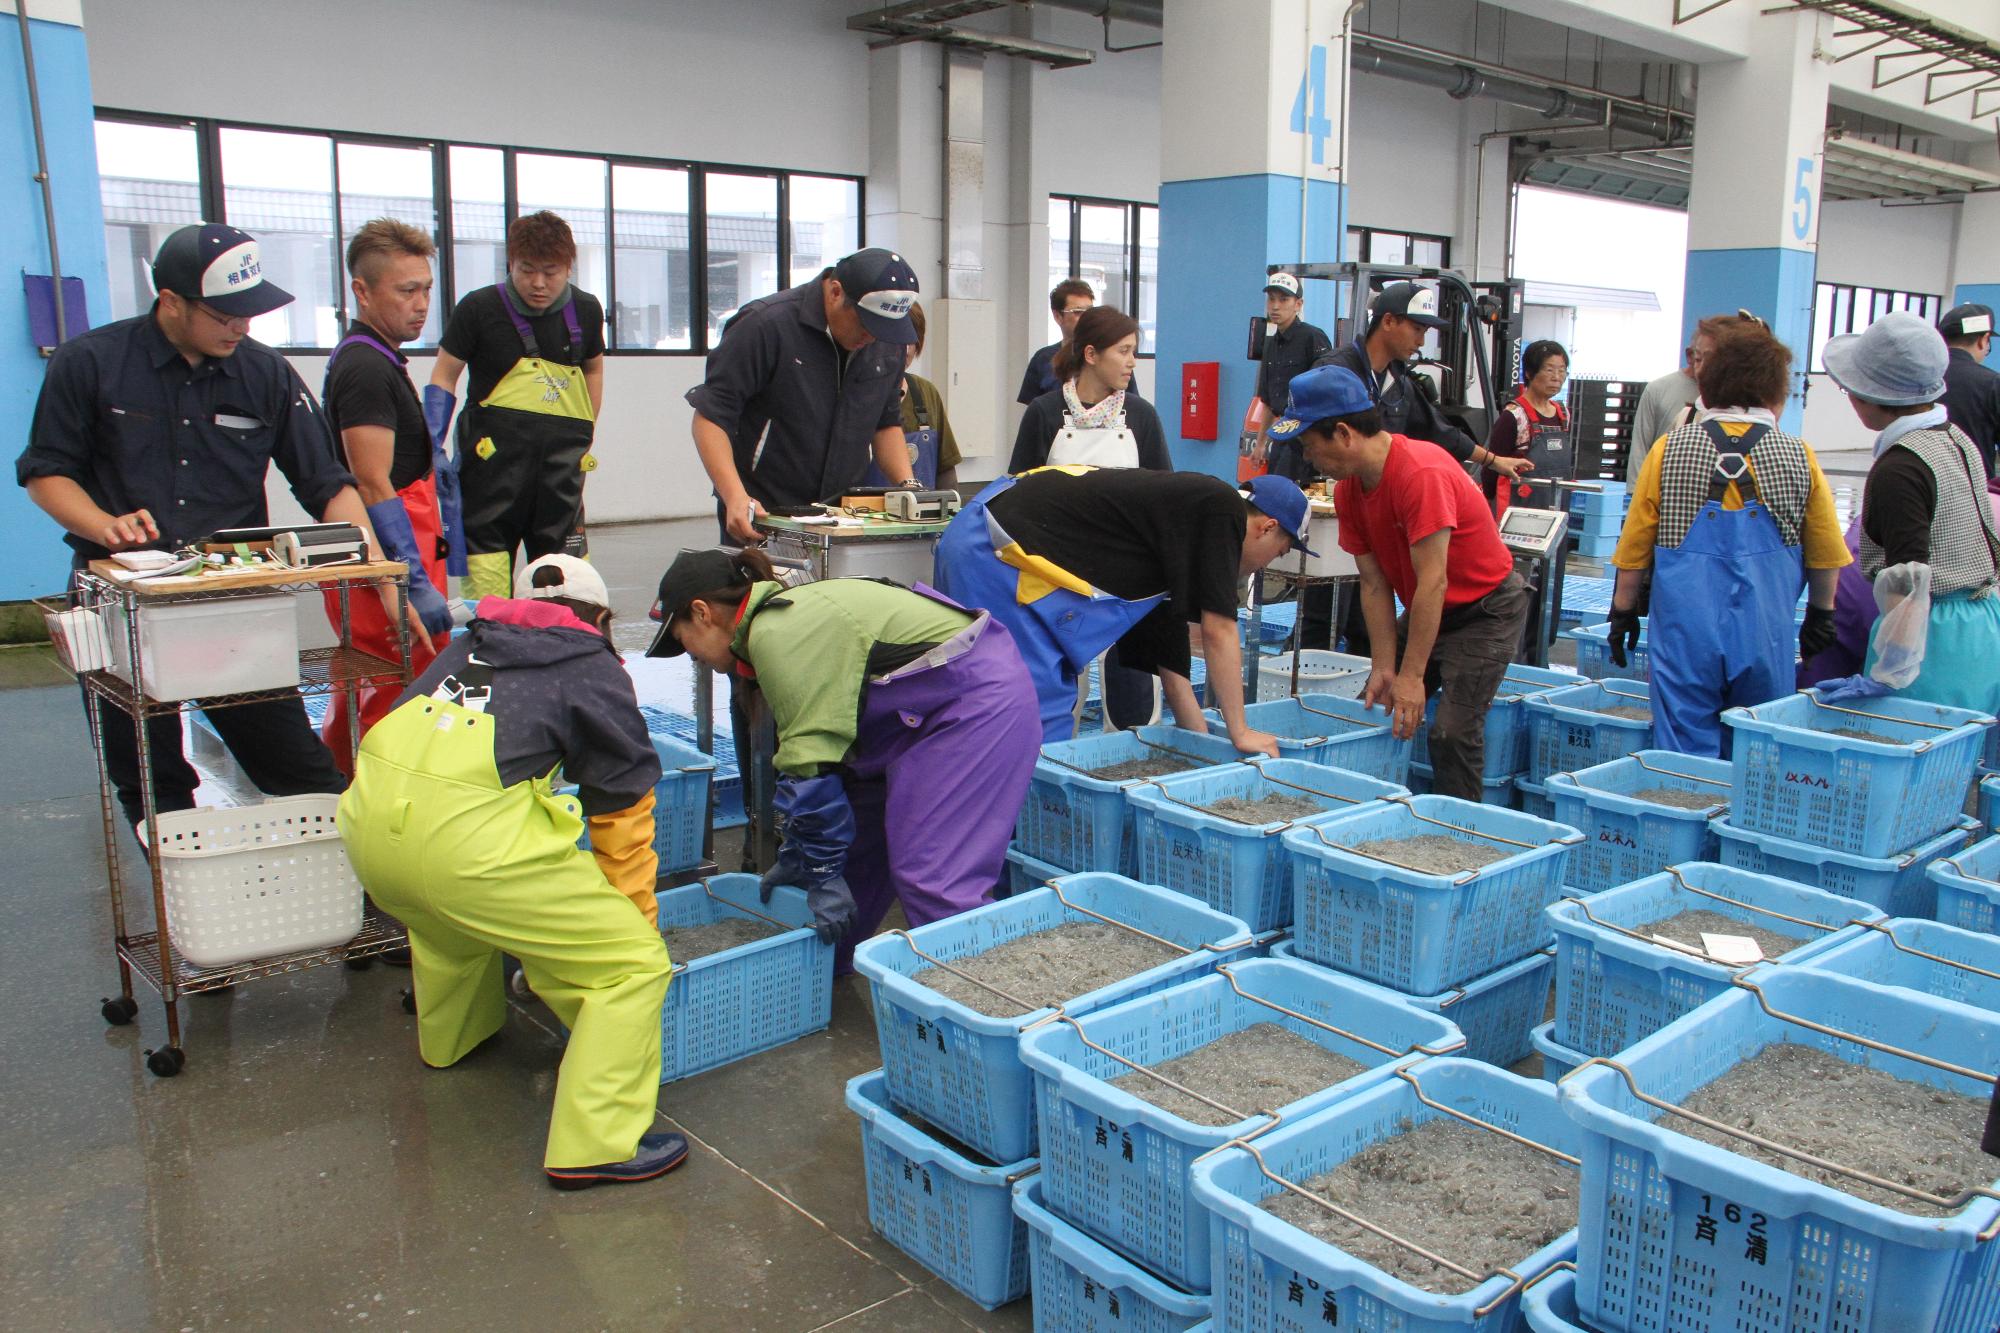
column 1060, row 623
column 923, row 442
column 1722, row 628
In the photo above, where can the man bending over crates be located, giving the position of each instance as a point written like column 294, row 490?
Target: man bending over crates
column 1418, row 526
column 452, row 825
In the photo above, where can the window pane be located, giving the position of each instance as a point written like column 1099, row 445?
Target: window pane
column 1059, row 265
column 1822, row 323
column 573, row 188
column 825, row 223
column 1427, row 251
column 1388, row 247
column 149, row 180
column 378, row 181
column 655, row 281
column 742, row 244
column 1842, row 320
column 1102, row 258
column 478, row 219
column 1148, row 313
column 279, row 188
column 1354, row 240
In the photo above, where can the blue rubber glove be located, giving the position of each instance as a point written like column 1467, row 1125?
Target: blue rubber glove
column 438, row 405
column 819, row 826
column 399, row 542
column 1848, row 689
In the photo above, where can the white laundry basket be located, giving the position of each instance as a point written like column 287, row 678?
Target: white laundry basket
column 256, row 881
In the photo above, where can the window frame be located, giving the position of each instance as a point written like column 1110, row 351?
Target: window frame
column 210, row 189
column 1366, row 237
column 1839, row 303
column 1133, row 209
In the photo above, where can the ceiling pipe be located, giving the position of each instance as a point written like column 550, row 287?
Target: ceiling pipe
column 1461, row 79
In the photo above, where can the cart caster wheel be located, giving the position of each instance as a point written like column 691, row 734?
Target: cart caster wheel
column 360, row 964
column 120, row 1010
column 409, row 1002
column 165, row 1062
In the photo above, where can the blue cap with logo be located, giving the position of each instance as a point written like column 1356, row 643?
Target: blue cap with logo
column 1280, row 498
column 219, row 266
column 883, row 287
column 1319, row 393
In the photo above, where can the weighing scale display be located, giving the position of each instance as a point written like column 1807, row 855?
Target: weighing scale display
column 1534, row 531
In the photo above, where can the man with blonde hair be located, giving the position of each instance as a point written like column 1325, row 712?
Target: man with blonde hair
column 378, row 429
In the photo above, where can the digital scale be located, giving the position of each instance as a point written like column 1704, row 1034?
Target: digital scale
column 1538, row 539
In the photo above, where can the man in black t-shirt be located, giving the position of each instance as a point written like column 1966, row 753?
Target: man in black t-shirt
column 1074, row 559
column 535, row 347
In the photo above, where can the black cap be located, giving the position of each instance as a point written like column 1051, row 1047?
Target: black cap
column 218, row 266
column 692, row 574
column 884, row 287
column 1966, row 321
column 1410, row 301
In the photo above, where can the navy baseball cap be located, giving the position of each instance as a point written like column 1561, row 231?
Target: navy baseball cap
column 1280, row 498
column 218, row 266
column 1966, row 321
column 1411, row 302
column 884, row 287
column 1319, row 393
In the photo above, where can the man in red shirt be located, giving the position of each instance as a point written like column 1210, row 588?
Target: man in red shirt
column 1418, row 526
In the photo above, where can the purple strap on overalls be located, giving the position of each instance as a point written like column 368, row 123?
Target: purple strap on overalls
column 372, row 341
column 528, row 334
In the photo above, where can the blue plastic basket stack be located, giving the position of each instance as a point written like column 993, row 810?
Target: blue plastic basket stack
column 1627, row 838
column 1472, row 946
column 1857, row 800
column 1332, row 730
column 1593, row 653
column 1506, row 733
column 1076, row 820
column 1967, row 885
column 1597, row 517
column 948, row 1123
column 1568, row 730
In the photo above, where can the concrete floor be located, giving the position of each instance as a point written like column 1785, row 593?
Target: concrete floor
column 307, row 1171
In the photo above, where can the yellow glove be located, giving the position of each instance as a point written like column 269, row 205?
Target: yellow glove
column 622, row 842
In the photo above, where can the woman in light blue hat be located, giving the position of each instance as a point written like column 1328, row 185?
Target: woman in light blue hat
column 1928, row 542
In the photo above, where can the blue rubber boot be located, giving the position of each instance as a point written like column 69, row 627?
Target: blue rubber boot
column 657, row 1155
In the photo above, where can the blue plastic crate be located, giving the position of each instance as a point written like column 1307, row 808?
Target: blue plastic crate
column 1593, row 653
column 1597, row 529
column 949, row 1212
column 1796, row 779
column 1260, row 1260
column 727, row 781
column 1506, row 719
column 1492, row 791
column 1331, row 730
column 1899, row 885
column 1117, row 1166
column 1591, row 504
column 680, row 803
column 1533, row 799
column 1613, row 989
column 1989, row 802
column 1241, row 869
column 1626, row 839
column 1081, row 1286
column 1666, row 1218
column 1422, row 933
column 1550, row 1305
column 961, row 1070
column 1968, row 887
column 1495, row 1012
column 1275, row 624
column 1080, row 822
column 1557, row 1059
column 1962, row 965
column 1597, row 547
column 1566, row 733
column 728, row 1005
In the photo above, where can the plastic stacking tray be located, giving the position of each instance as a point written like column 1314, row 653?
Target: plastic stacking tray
column 1331, row 730
column 1968, row 887
column 1678, row 1234
column 1557, row 1059
column 1117, row 1166
column 1532, row 798
column 961, row 1070
column 1506, row 719
column 1593, row 653
column 751, row 998
column 1082, row 1286
column 1625, row 838
column 1260, row 1261
column 1496, row 1012
column 1549, row 1306
column 1795, row 778
column 1566, row 733
column 1937, row 960
column 949, row 1211
column 680, row 803
column 1616, row 985
column 1899, row 885
column 1416, row 932
column 1242, row 869
column 1080, row 822
column 1989, row 802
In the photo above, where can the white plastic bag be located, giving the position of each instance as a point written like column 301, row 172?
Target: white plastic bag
column 1903, row 599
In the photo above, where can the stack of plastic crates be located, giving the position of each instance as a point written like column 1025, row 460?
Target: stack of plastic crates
column 1597, row 517
column 1857, row 800
column 1114, row 1219
column 948, row 1122
column 1593, row 653
column 1677, row 1232
column 1924, row 956
column 1967, row 886
column 1332, row 730
column 1078, row 821
column 1568, row 730
column 1626, row 837
column 1506, row 758
column 1618, row 983
column 1470, row 945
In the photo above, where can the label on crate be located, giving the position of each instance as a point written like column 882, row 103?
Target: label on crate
column 1105, row 1131
column 1723, row 1225
column 1306, row 1293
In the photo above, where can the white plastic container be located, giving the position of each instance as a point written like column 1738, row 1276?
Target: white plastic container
column 1320, row 672
column 257, row 881
column 198, row 650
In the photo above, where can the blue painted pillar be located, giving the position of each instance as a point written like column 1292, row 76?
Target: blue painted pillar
column 1753, row 210
column 1251, row 175
column 37, row 562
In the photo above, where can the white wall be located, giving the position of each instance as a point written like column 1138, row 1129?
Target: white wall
column 1405, row 153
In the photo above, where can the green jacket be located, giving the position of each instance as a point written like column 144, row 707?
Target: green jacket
column 816, row 648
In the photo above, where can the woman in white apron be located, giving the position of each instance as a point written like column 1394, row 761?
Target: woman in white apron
column 1095, row 418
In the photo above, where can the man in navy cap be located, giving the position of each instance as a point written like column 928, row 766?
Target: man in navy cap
column 158, row 430
column 1418, row 526
column 804, row 387
column 1971, row 388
